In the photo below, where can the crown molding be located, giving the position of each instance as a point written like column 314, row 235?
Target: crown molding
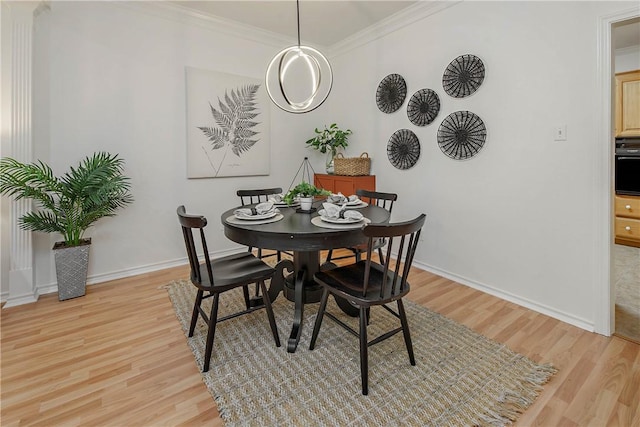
column 176, row 13
column 180, row 14
column 393, row 23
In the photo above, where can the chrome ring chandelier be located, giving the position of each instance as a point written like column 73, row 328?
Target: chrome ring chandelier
column 299, row 78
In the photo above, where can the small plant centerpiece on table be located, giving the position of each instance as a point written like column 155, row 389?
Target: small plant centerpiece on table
column 69, row 205
column 328, row 141
column 305, row 192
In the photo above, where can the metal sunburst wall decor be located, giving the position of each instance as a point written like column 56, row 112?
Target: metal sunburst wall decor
column 403, row 149
column 423, row 107
column 461, row 135
column 391, row 93
column 463, row 76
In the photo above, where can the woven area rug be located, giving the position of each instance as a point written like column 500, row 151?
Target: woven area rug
column 461, row 378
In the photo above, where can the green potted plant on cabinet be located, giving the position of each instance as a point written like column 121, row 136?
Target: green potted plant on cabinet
column 305, row 192
column 68, row 205
column 328, row 141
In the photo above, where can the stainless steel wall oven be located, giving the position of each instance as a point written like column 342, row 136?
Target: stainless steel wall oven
column 627, row 166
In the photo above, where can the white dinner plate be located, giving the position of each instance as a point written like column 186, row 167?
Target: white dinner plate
column 341, row 220
column 257, row 217
column 284, row 205
column 358, row 205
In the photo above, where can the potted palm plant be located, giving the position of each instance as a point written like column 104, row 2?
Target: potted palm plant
column 68, row 205
column 305, row 192
column 328, row 141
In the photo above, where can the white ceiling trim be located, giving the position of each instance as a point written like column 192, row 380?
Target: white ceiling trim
column 395, row 22
column 176, row 13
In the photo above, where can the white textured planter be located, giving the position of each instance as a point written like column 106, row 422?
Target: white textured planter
column 305, row 203
column 72, row 265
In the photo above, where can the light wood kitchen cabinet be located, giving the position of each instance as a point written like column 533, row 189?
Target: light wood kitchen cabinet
column 344, row 184
column 627, row 220
column 627, row 108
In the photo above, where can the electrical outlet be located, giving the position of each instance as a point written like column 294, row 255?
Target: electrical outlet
column 560, row 133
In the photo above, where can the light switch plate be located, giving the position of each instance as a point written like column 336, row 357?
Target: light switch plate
column 560, row 133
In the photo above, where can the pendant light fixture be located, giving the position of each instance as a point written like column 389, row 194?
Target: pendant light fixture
column 299, row 78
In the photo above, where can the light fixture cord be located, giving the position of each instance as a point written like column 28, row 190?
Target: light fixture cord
column 298, row 12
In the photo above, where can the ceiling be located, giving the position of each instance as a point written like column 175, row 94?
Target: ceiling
column 626, row 34
column 326, row 22
column 322, row 22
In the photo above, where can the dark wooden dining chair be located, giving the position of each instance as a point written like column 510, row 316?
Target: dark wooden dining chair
column 254, row 196
column 366, row 284
column 215, row 276
column 248, row 197
column 375, row 198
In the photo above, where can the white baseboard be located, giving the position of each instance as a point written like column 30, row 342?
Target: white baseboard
column 540, row 308
column 106, row 277
column 19, row 300
column 532, row 305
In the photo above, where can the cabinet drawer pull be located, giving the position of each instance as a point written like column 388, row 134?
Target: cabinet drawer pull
column 627, row 228
column 628, row 207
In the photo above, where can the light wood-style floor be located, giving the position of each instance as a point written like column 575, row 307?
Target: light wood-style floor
column 118, row 357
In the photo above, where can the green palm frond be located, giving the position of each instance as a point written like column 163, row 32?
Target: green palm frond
column 45, row 221
column 69, row 205
column 32, row 181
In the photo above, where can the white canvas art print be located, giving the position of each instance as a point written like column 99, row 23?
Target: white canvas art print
column 227, row 125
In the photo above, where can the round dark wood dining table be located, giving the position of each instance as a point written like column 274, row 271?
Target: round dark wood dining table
column 296, row 233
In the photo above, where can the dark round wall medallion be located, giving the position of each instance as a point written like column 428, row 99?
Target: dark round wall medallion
column 463, row 76
column 403, row 149
column 391, row 93
column 461, row 135
column 423, row 107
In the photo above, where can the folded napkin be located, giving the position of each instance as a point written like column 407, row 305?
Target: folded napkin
column 334, row 212
column 260, row 209
column 353, row 200
column 338, row 198
column 276, row 198
column 341, row 199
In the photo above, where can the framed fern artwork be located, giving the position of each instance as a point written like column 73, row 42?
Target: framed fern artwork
column 227, row 125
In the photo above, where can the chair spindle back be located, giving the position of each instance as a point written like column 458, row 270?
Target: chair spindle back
column 189, row 223
column 378, row 198
column 250, row 197
column 408, row 236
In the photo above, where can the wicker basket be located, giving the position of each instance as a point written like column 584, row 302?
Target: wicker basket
column 352, row 166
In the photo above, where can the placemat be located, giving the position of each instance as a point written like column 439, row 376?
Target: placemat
column 233, row 220
column 317, row 221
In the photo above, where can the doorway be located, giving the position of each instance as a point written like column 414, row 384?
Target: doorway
column 625, row 277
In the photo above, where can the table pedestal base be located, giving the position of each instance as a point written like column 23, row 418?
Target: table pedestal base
column 300, row 288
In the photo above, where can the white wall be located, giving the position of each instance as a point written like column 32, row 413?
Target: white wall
column 627, row 59
column 517, row 219
column 514, row 220
column 117, row 83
